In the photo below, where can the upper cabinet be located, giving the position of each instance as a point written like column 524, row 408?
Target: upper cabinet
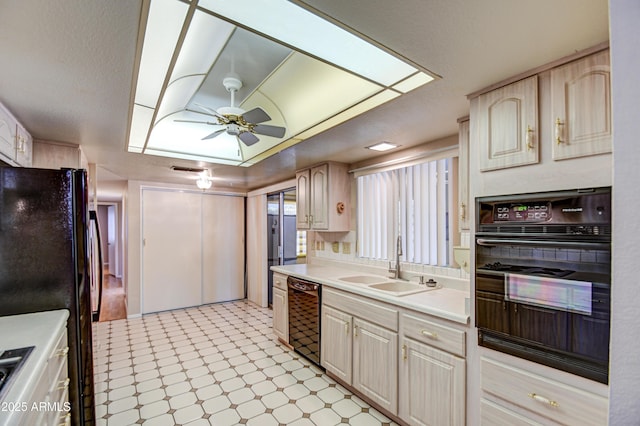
column 561, row 111
column 323, row 194
column 463, row 172
column 24, row 147
column 15, row 141
column 581, row 107
column 508, row 125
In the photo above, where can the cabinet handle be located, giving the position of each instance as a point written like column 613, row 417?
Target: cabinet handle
column 463, row 211
column 63, row 352
column 311, row 219
column 429, row 334
column 404, row 351
column 355, row 330
column 558, row 135
column 64, row 384
column 543, row 400
column 306, row 218
column 515, row 308
column 346, row 327
column 529, row 138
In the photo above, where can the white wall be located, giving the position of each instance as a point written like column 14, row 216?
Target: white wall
column 625, row 333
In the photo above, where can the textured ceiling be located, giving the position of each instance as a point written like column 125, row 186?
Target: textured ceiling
column 67, row 68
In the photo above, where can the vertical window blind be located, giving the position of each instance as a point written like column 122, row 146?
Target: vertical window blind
column 414, row 202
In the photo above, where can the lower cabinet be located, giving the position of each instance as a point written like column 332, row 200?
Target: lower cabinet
column 52, row 389
column 375, row 364
column 336, row 344
column 409, row 364
column 432, row 385
column 515, row 396
column 357, row 351
column 280, row 307
column 432, row 372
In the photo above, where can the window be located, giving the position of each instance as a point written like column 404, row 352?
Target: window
column 414, row 202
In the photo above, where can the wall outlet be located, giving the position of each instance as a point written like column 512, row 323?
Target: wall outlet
column 346, row 248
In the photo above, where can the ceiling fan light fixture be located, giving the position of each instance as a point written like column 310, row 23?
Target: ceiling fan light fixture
column 382, row 146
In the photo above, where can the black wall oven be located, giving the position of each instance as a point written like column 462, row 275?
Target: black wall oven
column 543, row 278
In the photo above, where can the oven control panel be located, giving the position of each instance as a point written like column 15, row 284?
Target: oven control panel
column 577, row 208
column 522, row 212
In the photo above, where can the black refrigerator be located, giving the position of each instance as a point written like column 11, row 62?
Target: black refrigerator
column 44, row 263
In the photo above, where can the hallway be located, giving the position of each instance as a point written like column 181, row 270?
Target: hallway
column 113, row 299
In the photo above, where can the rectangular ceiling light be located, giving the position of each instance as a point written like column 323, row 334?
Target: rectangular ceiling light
column 382, row 146
column 301, row 29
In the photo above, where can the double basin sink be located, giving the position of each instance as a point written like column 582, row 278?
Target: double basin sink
column 389, row 286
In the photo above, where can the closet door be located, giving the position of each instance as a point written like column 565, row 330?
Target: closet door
column 222, row 248
column 172, row 253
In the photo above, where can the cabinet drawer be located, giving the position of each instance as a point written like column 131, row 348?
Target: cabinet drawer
column 436, row 335
column 562, row 403
column 492, row 414
column 279, row 281
column 375, row 312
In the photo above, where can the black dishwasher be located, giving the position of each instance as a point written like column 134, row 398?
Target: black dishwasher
column 304, row 318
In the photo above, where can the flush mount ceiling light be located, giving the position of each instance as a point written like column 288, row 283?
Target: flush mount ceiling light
column 299, row 82
column 382, row 146
column 204, row 181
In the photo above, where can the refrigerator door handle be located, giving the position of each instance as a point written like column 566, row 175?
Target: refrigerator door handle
column 95, row 243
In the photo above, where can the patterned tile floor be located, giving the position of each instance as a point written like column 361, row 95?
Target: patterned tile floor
column 213, row 365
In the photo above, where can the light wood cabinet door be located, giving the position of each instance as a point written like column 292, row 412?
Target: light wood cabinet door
column 323, row 194
column 319, row 217
column 581, row 107
column 7, row 135
column 508, row 125
column 463, row 174
column 336, row 347
column 24, row 147
column 303, row 199
column 280, row 314
column 431, row 386
column 375, row 364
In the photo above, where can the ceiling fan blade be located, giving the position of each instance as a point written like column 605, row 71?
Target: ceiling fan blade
column 248, row 138
column 195, row 121
column 214, row 134
column 209, row 111
column 267, row 130
column 256, row 115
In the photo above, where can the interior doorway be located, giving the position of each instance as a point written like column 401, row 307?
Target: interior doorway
column 285, row 244
column 113, row 291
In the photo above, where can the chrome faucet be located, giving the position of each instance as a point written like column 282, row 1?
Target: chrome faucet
column 396, row 270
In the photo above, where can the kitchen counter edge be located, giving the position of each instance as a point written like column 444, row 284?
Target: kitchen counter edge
column 445, row 303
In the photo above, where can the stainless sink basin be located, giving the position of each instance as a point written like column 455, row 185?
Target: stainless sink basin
column 363, row 279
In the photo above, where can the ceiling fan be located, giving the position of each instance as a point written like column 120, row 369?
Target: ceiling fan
column 244, row 125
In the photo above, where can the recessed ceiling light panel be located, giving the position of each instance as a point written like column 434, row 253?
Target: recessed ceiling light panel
column 382, row 146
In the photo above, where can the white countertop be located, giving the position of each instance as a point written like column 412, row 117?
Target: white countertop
column 445, row 303
column 40, row 329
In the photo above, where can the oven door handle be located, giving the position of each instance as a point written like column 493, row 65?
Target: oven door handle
column 552, row 244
